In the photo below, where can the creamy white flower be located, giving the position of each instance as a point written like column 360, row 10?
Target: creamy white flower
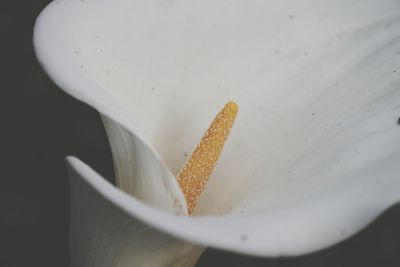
column 314, row 154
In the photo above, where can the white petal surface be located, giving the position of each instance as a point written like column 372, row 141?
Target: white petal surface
column 313, row 156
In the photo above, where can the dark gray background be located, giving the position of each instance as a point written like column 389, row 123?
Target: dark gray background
column 40, row 125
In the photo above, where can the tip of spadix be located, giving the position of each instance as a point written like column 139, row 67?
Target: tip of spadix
column 232, row 107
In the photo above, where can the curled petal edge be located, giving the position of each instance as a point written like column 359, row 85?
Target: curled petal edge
column 103, row 234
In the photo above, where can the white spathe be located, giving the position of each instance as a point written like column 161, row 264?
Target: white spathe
column 313, row 156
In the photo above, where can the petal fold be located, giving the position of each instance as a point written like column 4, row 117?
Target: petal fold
column 140, row 173
column 104, row 235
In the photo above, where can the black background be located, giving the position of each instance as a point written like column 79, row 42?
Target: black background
column 40, row 125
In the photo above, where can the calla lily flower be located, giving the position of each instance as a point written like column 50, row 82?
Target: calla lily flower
column 313, row 156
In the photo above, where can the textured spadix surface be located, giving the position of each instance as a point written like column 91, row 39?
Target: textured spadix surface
column 313, row 157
